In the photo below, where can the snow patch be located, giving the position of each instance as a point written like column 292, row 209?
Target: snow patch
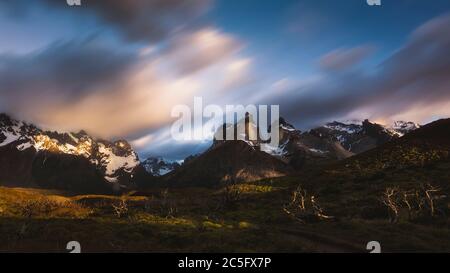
column 274, row 150
column 347, row 128
column 112, row 179
column 287, row 128
column 24, row 146
column 10, row 137
column 164, row 171
column 317, row 151
column 114, row 162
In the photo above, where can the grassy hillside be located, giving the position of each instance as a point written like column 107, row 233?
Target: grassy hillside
column 193, row 220
column 417, row 162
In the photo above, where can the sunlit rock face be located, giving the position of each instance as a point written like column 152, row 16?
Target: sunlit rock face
column 73, row 161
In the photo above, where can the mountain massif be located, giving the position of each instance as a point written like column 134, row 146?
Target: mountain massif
column 250, row 158
column 78, row 162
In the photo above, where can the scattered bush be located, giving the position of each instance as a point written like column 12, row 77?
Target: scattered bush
column 44, row 207
column 230, row 195
column 167, row 206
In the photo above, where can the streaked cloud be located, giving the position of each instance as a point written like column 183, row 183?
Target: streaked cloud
column 193, row 52
column 415, row 76
column 143, row 20
column 237, row 73
column 142, row 57
column 344, row 58
column 110, row 92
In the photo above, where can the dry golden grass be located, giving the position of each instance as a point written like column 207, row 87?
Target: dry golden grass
column 191, row 219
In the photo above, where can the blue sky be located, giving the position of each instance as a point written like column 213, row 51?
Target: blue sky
column 289, row 35
column 117, row 69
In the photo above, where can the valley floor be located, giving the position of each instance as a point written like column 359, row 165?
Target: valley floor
column 250, row 219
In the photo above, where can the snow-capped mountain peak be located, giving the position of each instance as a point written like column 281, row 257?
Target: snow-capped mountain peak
column 337, row 139
column 157, row 166
column 345, row 127
column 404, row 127
column 117, row 161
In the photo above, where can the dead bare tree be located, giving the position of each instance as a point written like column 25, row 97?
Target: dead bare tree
column 300, row 194
column 121, row 209
column 318, row 211
column 408, row 199
column 389, row 200
column 297, row 204
column 420, row 202
column 302, row 208
column 431, row 193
